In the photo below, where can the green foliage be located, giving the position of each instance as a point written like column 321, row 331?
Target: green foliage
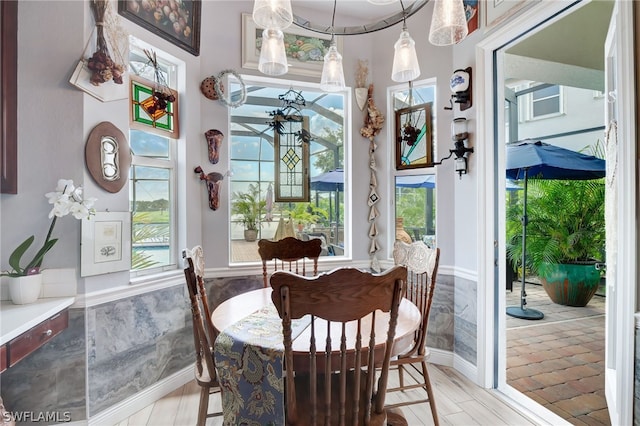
column 306, row 213
column 139, row 258
column 16, row 257
column 565, row 223
column 248, row 206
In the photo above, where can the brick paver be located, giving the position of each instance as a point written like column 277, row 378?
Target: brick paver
column 559, row 361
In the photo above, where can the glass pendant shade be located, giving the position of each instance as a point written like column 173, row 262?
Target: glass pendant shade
column 332, row 79
column 273, row 58
column 448, row 23
column 405, row 60
column 275, row 14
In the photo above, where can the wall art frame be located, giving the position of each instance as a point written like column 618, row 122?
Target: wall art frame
column 498, row 11
column 164, row 123
column 186, row 37
column 414, row 137
column 9, row 96
column 106, row 243
column 305, row 49
column 472, row 11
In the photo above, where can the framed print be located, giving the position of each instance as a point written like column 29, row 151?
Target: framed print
column 497, row 11
column 106, row 243
column 305, row 49
column 414, row 140
column 471, row 11
column 177, row 22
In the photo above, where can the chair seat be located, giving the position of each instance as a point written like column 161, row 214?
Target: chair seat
column 302, row 383
column 204, row 378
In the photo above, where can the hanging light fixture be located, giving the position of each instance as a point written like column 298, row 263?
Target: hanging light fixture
column 332, row 79
column 405, row 60
column 448, row 23
column 273, row 58
column 273, row 14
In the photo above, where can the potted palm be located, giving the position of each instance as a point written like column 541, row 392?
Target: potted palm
column 247, row 206
column 304, row 214
column 565, row 237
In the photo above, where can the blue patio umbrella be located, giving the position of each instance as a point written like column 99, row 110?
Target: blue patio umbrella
column 429, row 181
column 540, row 160
column 330, row 181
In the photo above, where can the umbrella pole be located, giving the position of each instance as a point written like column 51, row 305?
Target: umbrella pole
column 522, row 311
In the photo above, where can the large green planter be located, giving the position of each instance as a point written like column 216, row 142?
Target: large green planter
column 570, row 284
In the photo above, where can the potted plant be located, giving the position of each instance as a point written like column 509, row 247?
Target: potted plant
column 565, row 237
column 305, row 213
column 248, row 206
column 25, row 281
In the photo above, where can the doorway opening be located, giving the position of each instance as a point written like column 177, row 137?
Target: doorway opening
column 553, row 84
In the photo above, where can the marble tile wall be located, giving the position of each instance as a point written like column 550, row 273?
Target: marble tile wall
column 466, row 324
column 441, row 319
column 52, row 379
column 136, row 342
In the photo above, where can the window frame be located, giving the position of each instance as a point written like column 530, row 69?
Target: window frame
column 170, row 163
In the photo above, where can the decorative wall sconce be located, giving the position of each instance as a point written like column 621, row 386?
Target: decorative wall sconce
column 459, row 133
column 213, row 181
column 460, row 85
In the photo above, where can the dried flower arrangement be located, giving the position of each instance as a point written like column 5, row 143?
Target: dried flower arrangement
column 103, row 67
column 362, row 73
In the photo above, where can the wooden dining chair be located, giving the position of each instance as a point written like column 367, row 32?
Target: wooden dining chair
column 289, row 254
column 203, row 332
column 338, row 386
column 422, row 268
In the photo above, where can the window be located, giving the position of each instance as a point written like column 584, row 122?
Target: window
column 542, row 101
column 415, row 202
column 254, row 211
column 151, row 187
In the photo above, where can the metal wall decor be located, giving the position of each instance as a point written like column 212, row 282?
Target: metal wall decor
column 291, row 145
column 108, row 157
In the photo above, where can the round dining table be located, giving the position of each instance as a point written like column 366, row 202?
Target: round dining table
column 238, row 307
column 249, row 347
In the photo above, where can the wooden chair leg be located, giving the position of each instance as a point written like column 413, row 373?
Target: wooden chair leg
column 204, row 406
column 432, row 401
column 401, row 376
column 395, row 417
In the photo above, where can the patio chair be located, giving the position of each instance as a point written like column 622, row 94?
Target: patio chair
column 422, row 265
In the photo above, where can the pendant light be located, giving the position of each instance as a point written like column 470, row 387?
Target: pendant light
column 448, row 23
column 405, row 60
column 273, row 58
column 332, row 79
column 275, row 14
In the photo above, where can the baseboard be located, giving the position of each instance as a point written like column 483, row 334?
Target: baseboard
column 470, row 371
column 441, row 357
column 125, row 409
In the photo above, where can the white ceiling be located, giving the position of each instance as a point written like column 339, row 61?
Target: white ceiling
column 568, row 52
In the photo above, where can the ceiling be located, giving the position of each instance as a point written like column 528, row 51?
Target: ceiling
column 569, row 52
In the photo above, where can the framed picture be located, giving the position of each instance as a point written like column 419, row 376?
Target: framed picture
column 106, row 243
column 471, row 11
column 9, row 96
column 305, row 49
column 414, row 137
column 178, row 22
column 497, row 11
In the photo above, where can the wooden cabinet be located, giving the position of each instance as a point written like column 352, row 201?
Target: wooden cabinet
column 3, row 358
column 35, row 337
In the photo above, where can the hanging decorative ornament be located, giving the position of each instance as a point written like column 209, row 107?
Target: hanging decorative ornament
column 156, row 104
column 103, row 67
column 219, row 88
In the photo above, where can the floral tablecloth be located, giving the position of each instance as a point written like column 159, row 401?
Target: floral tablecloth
column 248, row 357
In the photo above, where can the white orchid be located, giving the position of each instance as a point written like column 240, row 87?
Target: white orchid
column 66, row 199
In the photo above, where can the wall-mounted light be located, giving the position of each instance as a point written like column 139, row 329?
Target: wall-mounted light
column 460, row 85
column 459, row 134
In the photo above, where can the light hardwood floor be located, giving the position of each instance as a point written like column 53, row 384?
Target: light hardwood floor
column 459, row 402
